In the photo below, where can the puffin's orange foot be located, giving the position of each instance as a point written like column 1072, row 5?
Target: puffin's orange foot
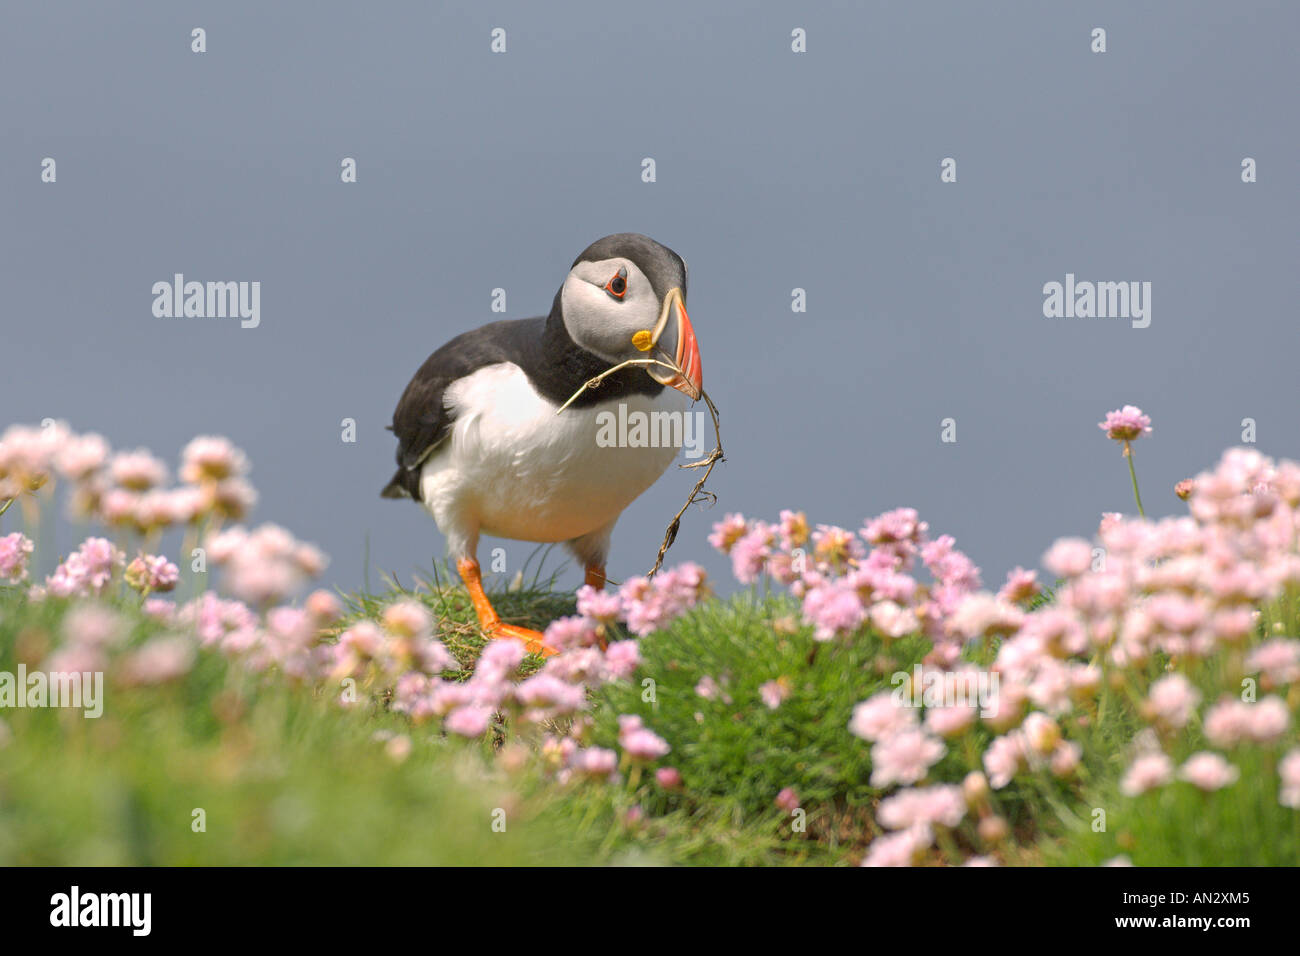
column 534, row 641
column 492, row 625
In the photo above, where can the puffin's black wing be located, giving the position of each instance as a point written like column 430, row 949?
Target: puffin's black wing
column 422, row 420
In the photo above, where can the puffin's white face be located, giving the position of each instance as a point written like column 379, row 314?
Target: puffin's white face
column 608, row 302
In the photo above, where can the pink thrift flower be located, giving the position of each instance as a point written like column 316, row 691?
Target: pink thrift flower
column 893, row 620
column 896, row 527
column 749, row 555
column 566, row 633
column 903, row 848
column 727, row 532
column 160, row 660
column 638, row 741
column 76, row 659
column 952, row 569
column 151, row 572
column 1147, row 772
column 231, row 499
column 1172, row 701
column 25, row 457
column 1065, row 758
column 793, row 529
column 499, row 659
column 1269, row 720
column 670, row 778
column 407, row 618
column 787, row 800
column 431, row 656
column 209, row 458
column 834, row 609
column 471, row 720
column 1289, row 771
column 1109, row 521
column 1040, row 733
column 707, row 688
column 81, row 456
column 949, row 721
column 1126, row 424
column 578, row 665
column 137, row 470
column 1208, row 771
column 1004, row 758
column 880, row 717
column 87, row 570
column 324, row 606
column 15, row 549
column 650, row 605
column 904, row 758
column 94, row 624
column 1068, row 557
column 774, row 692
column 981, row 614
column 545, row 690
column 1278, row 659
column 160, row 609
column 603, row 606
column 264, row 566
column 1021, row 586
column 622, row 658
column 943, row 805
column 1230, row 722
column 836, row 547
column 597, row 762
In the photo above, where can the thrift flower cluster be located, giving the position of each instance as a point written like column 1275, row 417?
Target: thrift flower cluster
column 1164, row 615
column 848, row 580
column 127, row 490
column 398, row 658
column 1180, row 622
column 127, row 494
column 1171, row 618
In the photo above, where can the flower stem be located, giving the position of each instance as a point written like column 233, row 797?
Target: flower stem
column 1128, row 453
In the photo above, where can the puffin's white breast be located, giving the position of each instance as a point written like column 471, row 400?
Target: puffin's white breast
column 515, row 469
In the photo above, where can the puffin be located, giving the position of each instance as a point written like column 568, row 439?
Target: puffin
column 485, row 440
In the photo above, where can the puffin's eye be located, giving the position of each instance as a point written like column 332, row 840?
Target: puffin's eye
column 617, row 286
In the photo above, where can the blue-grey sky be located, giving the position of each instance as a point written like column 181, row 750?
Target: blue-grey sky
column 775, row 170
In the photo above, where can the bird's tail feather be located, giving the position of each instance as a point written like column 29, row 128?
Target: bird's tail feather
column 400, row 485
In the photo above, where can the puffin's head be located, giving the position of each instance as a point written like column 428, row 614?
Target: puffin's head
column 625, row 298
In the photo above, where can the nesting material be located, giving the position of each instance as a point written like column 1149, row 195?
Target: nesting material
column 698, row 492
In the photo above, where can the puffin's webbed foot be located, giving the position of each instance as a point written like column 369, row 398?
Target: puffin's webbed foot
column 534, row 641
column 488, row 619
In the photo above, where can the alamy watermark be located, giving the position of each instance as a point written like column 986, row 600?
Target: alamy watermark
column 639, row 429
column 75, row 908
column 1100, row 300
column 179, row 299
column 931, row 687
column 79, row 690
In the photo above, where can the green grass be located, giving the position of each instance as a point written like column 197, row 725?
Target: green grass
column 282, row 776
column 1181, row 824
column 735, row 754
column 285, row 776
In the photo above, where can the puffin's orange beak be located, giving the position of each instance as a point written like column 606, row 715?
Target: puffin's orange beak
column 686, row 352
